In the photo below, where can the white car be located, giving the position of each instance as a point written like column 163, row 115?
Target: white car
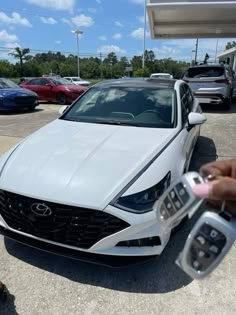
column 86, row 182
column 161, row 75
column 78, row 81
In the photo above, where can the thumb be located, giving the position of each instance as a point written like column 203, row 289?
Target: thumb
column 221, row 189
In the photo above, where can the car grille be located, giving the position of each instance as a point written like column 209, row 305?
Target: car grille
column 64, row 224
column 25, row 100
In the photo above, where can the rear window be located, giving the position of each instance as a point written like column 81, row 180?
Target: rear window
column 204, row 72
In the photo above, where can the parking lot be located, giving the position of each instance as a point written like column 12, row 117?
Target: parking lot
column 42, row 283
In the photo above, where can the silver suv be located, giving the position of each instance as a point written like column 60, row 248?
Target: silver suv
column 212, row 83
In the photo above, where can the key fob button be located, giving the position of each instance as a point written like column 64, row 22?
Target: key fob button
column 197, row 265
column 182, row 193
column 201, row 240
column 170, row 208
column 214, row 249
column 164, row 213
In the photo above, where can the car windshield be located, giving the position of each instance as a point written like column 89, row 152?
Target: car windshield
column 6, row 83
column 61, row 81
column 134, row 106
column 204, row 72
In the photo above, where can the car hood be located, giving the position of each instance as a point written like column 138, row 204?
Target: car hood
column 16, row 92
column 81, row 164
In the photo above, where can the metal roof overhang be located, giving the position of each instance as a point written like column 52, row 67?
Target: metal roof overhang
column 191, row 18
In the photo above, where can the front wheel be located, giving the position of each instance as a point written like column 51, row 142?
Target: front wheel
column 227, row 103
column 61, row 98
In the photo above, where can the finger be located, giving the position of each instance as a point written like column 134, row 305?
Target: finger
column 222, row 189
column 225, row 167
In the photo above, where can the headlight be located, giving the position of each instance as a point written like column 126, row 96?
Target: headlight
column 143, row 201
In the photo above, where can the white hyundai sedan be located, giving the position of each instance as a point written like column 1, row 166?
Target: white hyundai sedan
column 85, row 184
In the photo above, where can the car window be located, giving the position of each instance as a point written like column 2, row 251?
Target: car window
column 6, row 83
column 61, row 81
column 43, row 81
column 147, row 107
column 34, row 82
column 185, row 106
column 198, row 72
column 189, row 97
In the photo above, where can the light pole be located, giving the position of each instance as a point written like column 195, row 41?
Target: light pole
column 195, row 58
column 144, row 33
column 77, row 32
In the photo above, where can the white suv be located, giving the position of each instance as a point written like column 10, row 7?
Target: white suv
column 212, row 83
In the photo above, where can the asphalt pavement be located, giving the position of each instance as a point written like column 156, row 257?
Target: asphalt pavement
column 43, row 283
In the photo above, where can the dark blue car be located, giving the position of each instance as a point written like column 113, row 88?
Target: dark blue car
column 13, row 96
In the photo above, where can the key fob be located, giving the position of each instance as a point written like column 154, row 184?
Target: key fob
column 207, row 244
column 176, row 202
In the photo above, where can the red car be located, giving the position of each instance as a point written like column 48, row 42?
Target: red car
column 54, row 89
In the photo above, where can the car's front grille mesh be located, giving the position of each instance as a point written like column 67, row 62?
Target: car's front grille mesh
column 64, row 224
column 25, row 100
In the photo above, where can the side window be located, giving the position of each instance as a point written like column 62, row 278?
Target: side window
column 43, row 81
column 34, row 82
column 189, row 96
column 184, row 104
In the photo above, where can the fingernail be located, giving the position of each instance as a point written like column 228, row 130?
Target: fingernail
column 201, row 190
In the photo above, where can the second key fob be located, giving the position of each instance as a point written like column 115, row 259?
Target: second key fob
column 207, row 244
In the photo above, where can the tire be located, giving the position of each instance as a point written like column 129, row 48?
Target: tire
column 61, row 98
column 227, row 103
column 31, row 107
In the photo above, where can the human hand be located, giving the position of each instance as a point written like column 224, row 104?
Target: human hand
column 223, row 188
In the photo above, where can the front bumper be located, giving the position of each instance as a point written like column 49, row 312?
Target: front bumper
column 126, row 234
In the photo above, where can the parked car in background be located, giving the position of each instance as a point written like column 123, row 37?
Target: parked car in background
column 78, row 81
column 212, row 83
column 161, row 76
column 54, row 89
column 14, row 97
column 99, row 168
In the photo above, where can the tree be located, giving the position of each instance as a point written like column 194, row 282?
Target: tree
column 20, row 53
column 230, row 45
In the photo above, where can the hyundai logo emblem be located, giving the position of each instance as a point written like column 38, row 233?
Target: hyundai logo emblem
column 41, row 209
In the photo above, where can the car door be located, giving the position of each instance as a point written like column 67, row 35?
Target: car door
column 189, row 133
column 46, row 89
column 34, row 85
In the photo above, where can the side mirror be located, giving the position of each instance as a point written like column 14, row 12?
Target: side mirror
column 196, row 119
column 49, row 84
column 62, row 109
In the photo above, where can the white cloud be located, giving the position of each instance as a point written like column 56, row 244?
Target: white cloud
column 15, row 18
column 58, row 42
column 117, row 23
column 5, row 37
column 139, row 33
column 117, row 36
column 102, row 37
column 106, row 49
column 165, row 52
column 82, row 20
column 48, row 20
column 54, row 4
column 140, row 19
column 66, row 21
column 12, row 45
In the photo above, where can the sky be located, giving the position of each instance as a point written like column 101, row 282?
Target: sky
column 108, row 26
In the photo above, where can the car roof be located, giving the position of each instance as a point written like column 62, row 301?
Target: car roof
column 138, row 82
column 207, row 65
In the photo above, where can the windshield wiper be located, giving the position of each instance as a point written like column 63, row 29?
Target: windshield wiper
column 115, row 122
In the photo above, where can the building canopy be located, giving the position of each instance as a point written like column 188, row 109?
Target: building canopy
column 191, row 18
